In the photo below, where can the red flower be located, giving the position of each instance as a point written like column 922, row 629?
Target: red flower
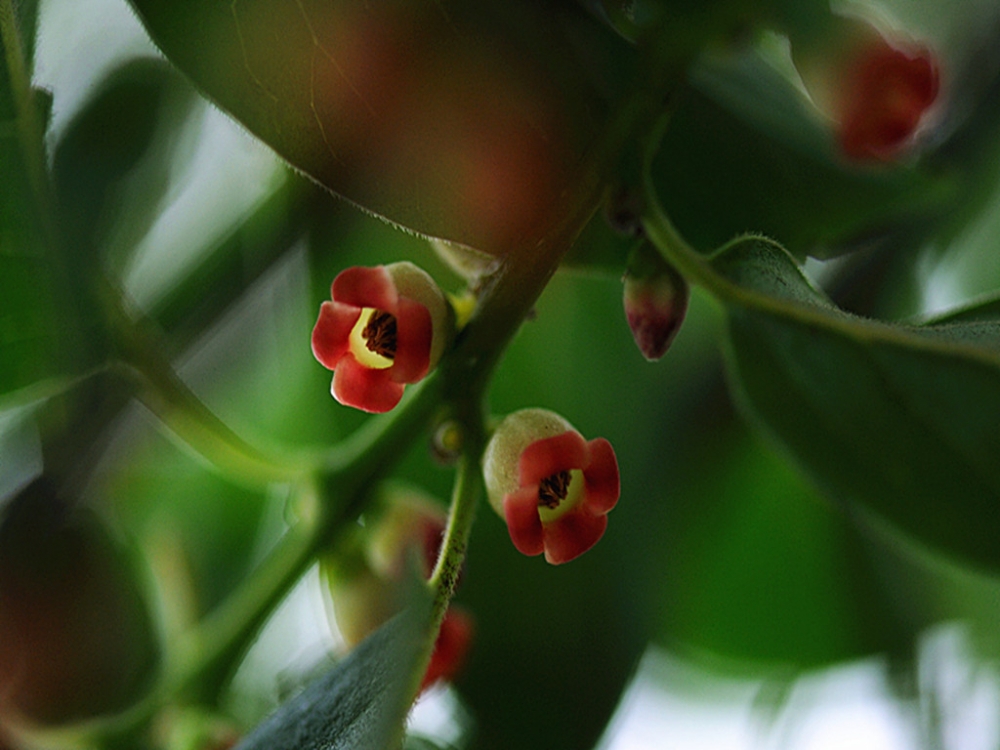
column 384, row 327
column 553, row 488
column 883, row 100
column 876, row 91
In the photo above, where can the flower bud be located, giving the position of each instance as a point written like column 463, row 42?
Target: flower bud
column 876, row 90
column 655, row 300
column 553, row 488
column 383, row 328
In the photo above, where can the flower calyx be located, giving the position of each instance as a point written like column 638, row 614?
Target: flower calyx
column 553, row 488
column 384, row 327
column 655, row 300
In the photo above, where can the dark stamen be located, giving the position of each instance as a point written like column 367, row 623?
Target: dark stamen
column 553, row 490
column 380, row 334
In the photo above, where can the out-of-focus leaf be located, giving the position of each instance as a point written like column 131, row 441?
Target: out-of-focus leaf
column 463, row 120
column 900, row 420
column 748, row 157
column 554, row 646
column 108, row 136
column 362, row 702
column 758, row 567
column 239, row 259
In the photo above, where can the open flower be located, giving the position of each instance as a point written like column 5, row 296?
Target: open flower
column 553, row 488
column 875, row 90
column 384, row 327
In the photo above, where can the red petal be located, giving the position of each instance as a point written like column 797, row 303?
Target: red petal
column 601, row 477
column 572, row 534
column 332, row 332
column 520, row 509
column 363, row 387
column 450, row 648
column 365, row 287
column 414, row 331
column 548, row 456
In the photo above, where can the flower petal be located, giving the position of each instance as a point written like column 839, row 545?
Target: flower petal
column 450, row 648
column 601, row 477
column 573, row 534
column 365, row 287
column 363, row 387
column 332, row 332
column 520, row 510
column 548, row 456
column 414, row 333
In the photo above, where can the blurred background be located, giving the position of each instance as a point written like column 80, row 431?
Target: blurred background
column 730, row 605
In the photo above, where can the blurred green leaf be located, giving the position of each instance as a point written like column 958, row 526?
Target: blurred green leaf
column 900, row 420
column 463, row 122
column 760, row 568
column 362, row 702
column 107, row 137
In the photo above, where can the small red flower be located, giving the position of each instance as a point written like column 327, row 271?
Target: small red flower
column 886, row 92
column 877, row 91
column 553, row 488
column 384, row 327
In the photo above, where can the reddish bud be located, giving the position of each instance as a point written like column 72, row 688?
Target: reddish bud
column 655, row 306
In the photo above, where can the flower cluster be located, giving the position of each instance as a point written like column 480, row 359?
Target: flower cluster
column 387, row 326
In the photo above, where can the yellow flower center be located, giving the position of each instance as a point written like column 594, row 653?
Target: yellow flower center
column 373, row 338
column 559, row 493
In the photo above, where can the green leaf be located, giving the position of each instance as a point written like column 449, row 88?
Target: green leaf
column 900, row 421
column 758, row 567
column 463, row 122
column 362, row 702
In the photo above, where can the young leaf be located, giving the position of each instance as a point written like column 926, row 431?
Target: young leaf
column 900, row 421
column 362, row 702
